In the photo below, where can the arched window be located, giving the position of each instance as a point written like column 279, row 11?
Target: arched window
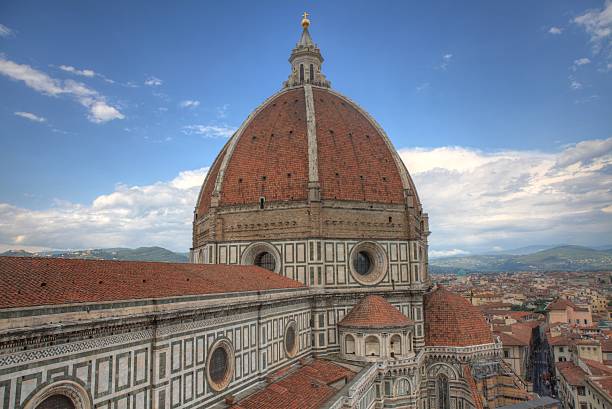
column 56, row 402
column 349, row 344
column 301, row 72
column 403, row 387
column 442, row 392
column 311, row 73
column 372, row 346
column 395, row 345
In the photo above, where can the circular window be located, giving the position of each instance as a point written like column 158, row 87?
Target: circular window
column 262, row 254
column 363, row 263
column 291, row 346
column 220, row 364
column 265, row 260
column 368, row 263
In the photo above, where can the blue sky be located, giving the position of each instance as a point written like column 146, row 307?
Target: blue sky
column 104, row 104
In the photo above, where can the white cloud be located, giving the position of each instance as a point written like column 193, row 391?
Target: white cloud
column 153, row 81
column 99, row 110
column 37, row 80
column 582, row 61
column 209, row 131
column 555, row 30
column 598, row 24
column 422, row 87
column 76, row 71
column 575, row 85
column 222, row 111
column 131, row 216
column 5, row 31
column 30, row 116
column 189, row 103
column 477, row 200
column 446, row 60
column 447, row 253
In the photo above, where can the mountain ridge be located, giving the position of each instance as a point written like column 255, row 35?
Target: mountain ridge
column 559, row 258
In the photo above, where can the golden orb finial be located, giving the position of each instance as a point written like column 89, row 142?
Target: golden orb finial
column 305, row 21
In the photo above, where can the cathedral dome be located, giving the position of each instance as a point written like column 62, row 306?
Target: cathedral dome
column 286, row 146
column 310, row 164
column 450, row 320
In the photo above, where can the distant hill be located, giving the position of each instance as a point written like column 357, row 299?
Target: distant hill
column 560, row 258
column 120, row 253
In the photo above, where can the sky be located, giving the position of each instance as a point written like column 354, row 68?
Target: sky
column 111, row 112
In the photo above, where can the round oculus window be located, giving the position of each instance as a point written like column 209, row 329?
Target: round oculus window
column 220, row 365
column 265, row 260
column 291, row 340
column 368, row 263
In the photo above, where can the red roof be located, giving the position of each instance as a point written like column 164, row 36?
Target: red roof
column 450, row 320
column 604, row 383
column 560, row 304
column 510, row 339
column 374, row 311
column 270, row 157
column 307, row 388
column 573, row 374
column 29, row 281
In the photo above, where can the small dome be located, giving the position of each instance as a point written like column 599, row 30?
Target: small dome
column 374, row 311
column 450, row 320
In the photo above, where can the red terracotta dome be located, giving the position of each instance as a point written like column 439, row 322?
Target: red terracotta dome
column 450, row 320
column 374, row 311
column 285, row 146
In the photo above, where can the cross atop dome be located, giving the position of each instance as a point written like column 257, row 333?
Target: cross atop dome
column 306, row 61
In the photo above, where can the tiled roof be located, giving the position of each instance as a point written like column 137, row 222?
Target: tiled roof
column 30, row 281
column 604, row 383
column 355, row 163
column 573, row 374
column 560, row 304
column 510, row 339
column 467, row 374
column 374, row 311
column 450, row 320
column 597, row 368
column 270, row 157
column 307, row 388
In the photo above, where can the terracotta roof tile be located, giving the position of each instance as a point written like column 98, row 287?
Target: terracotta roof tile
column 374, row 311
column 354, row 161
column 30, row 281
column 467, row 373
column 306, row 388
column 604, row 383
column 573, row 374
column 560, row 304
column 271, row 157
column 450, row 320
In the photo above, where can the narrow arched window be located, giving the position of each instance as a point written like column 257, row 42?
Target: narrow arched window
column 442, row 392
column 311, row 73
column 301, row 72
column 403, row 387
column 349, row 344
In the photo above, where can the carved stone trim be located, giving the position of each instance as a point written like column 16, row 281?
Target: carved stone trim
column 71, row 389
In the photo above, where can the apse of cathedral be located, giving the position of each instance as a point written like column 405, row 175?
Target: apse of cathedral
column 308, row 287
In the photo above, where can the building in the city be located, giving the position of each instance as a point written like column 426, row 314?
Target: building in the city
column 309, row 287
